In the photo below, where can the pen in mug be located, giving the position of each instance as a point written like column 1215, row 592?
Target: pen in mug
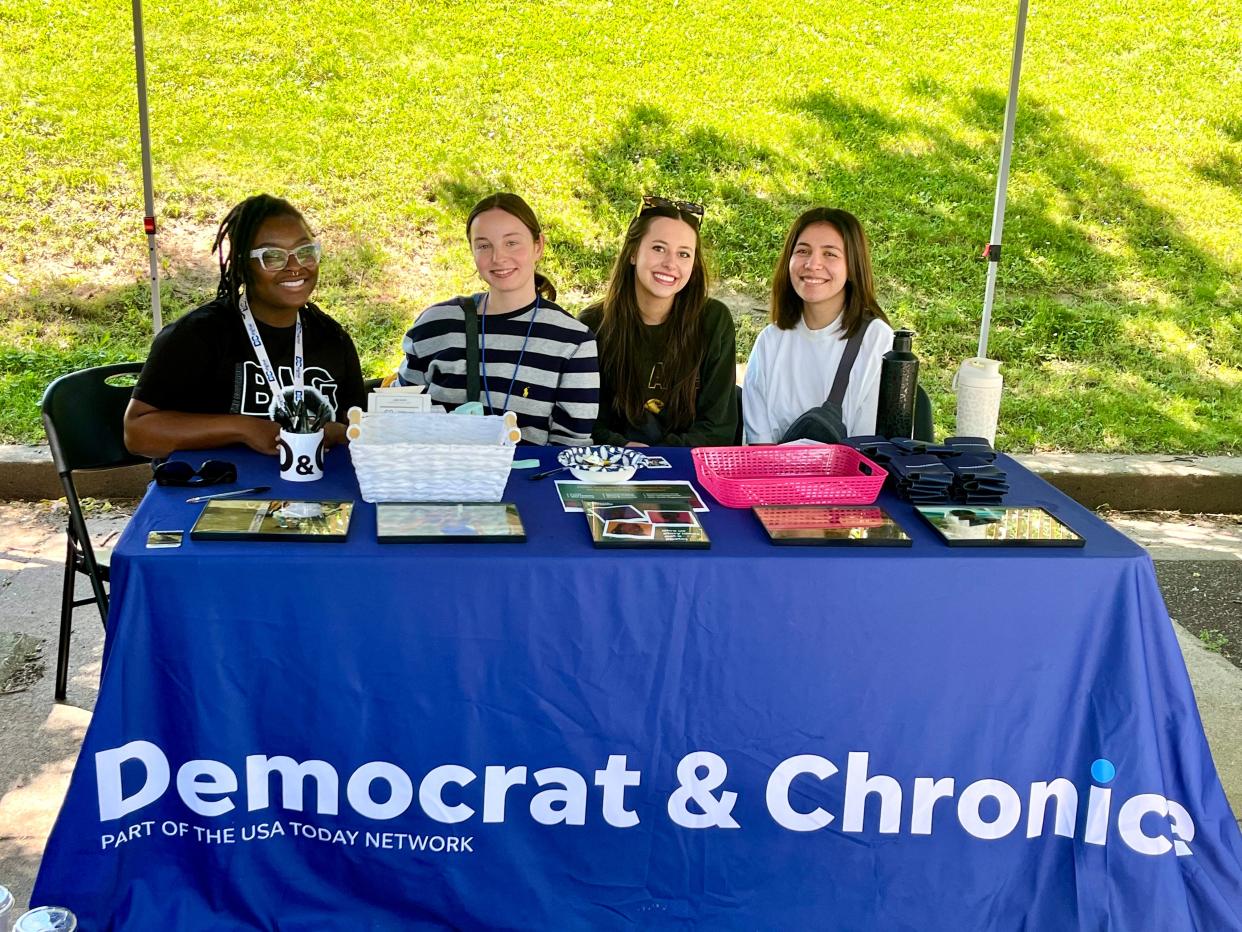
column 204, row 498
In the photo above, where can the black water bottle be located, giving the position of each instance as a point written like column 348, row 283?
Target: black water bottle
column 899, row 383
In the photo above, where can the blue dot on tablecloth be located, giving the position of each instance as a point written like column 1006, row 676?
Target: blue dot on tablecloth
column 1103, row 771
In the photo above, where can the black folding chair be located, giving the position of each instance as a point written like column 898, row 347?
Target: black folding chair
column 924, row 429
column 83, row 415
column 739, row 430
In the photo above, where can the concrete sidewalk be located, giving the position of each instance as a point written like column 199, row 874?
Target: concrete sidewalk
column 39, row 740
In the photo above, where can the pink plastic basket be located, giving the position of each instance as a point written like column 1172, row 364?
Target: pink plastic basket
column 795, row 475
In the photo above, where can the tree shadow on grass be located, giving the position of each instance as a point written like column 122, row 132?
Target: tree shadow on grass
column 744, row 224
column 460, row 192
column 62, row 325
column 1079, row 195
column 569, row 255
column 1225, row 169
column 1107, row 316
column 650, row 153
column 1106, row 312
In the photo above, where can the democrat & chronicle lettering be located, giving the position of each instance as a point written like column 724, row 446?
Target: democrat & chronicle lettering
column 986, row 809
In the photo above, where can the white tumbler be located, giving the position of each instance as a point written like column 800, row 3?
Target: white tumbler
column 46, row 919
column 978, row 386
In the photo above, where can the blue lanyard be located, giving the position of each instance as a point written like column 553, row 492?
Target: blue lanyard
column 265, row 362
column 483, row 353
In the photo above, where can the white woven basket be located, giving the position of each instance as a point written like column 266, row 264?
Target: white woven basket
column 420, row 457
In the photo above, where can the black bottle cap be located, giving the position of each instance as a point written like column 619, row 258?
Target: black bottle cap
column 903, row 340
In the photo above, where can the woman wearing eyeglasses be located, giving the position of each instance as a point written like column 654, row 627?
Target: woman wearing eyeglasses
column 667, row 351
column 217, row 375
column 529, row 356
column 827, row 338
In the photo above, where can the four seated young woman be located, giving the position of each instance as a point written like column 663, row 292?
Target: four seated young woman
column 822, row 296
column 534, row 359
column 217, row 375
column 664, row 374
column 667, row 351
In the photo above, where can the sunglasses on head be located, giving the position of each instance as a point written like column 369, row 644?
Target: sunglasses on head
column 274, row 259
column 688, row 207
column 180, row 473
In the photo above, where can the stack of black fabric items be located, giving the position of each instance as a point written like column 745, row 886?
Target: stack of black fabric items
column 962, row 469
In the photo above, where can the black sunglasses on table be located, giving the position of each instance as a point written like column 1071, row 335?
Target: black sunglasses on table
column 180, row 473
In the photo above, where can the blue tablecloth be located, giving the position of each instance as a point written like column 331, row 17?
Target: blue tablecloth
column 546, row 735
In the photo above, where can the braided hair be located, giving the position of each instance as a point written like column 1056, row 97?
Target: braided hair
column 239, row 227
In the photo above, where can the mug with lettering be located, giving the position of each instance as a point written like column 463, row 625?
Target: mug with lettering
column 301, row 456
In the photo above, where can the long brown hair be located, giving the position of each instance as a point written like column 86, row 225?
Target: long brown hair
column 516, row 207
column 621, row 329
column 861, row 306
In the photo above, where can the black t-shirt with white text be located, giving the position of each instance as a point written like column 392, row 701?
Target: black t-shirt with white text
column 203, row 363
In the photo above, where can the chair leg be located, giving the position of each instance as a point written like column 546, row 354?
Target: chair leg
column 66, row 622
column 77, row 527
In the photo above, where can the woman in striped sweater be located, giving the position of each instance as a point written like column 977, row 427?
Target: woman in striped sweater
column 534, row 358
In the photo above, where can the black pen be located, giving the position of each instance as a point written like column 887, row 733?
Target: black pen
column 548, row 472
column 204, row 498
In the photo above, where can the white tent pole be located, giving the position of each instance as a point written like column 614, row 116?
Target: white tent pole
column 148, row 219
column 1002, row 181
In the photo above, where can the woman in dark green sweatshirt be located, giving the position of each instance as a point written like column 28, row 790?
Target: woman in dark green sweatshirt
column 667, row 351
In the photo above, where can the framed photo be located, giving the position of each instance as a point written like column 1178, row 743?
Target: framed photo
column 448, row 522
column 645, row 524
column 999, row 526
column 273, row 520
column 831, row 526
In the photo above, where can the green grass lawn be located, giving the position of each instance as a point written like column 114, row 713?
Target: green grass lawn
column 1119, row 308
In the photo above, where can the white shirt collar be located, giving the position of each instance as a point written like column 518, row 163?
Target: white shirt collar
column 832, row 331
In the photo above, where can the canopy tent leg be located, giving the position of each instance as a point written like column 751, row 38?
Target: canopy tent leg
column 148, row 219
column 992, row 254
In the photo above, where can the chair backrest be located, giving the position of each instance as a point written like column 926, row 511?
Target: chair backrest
column 738, row 431
column 84, row 415
column 924, row 428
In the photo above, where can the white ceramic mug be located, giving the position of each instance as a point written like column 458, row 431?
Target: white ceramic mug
column 301, row 456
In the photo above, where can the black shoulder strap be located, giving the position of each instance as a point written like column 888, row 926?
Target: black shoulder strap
column 842, row 381
column 472, row 348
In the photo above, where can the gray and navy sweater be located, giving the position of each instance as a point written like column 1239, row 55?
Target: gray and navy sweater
column 555, row 387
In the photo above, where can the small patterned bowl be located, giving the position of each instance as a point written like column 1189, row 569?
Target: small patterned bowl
column 602, row 463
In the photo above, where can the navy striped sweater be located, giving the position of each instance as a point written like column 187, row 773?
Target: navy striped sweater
column 555, row 393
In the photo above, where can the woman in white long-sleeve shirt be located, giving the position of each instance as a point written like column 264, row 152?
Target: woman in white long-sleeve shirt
column 822, row 294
